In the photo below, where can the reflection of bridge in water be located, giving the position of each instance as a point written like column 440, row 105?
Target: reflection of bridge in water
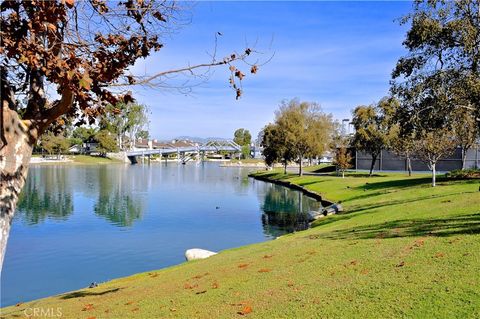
column 184, row 154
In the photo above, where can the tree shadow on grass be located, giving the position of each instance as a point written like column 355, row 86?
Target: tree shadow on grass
column 438, row 227
column 362, row 208
column 84, row 293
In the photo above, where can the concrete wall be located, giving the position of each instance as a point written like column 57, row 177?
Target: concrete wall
column 388, row 161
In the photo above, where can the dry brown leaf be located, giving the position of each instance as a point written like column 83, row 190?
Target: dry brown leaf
column 264, row 270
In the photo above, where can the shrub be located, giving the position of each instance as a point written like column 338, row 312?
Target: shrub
column 464, row 174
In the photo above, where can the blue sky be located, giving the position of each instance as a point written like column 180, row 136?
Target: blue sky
column 339, row 54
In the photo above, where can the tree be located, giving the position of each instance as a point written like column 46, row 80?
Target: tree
column 55, row 144
column 305, row 128
column 82, row 50
column 403, row 146
column 466, row 131
column 443, row 61
column 343, row 159
column 144, row 134
column 431, row 146
column 106, row 142
column 371, row 131
column 276, row 146
column 243, row 138
column 85, row 134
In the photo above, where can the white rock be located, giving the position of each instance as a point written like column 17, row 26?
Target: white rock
column 197, row 253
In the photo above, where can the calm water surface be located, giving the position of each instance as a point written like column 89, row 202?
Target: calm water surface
column 79, row 224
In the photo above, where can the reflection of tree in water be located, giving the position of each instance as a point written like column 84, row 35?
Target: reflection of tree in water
column 46, row 195
column 114, row 202
column 285, row 210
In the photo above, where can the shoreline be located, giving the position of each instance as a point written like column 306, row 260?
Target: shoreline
column 312, row 194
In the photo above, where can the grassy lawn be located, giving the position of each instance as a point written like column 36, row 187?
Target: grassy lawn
column 402, row 249
column 248, row 161
column 87, row 159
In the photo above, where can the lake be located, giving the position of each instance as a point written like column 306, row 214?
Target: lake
column 77, row 224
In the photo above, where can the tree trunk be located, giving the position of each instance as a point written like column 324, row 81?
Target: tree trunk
column 300, row 168
column 409, row 166
column 15, row 152
column 343, row 173
column 434, row 174
column 285, row 167
column 464, row 157
column 374, row 160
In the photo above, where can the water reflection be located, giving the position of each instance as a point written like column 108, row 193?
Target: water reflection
column 116, row 200
column 47, row 194
column 285, row 210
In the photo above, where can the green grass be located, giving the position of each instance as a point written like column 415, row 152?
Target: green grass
column 402, row 249
column 87, row 159
column 248, row 161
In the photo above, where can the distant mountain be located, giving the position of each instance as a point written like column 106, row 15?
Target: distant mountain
column 200, row 139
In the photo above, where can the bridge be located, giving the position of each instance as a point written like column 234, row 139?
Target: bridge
column 184, row 154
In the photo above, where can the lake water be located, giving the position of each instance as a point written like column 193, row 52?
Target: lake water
column 76, row 224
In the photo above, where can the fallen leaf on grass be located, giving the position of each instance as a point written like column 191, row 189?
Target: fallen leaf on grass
column 419, row 243
column 215, row 285
column 92, row 318
column 18, row 304
column 200, row 276
column 401, row 264
column 128, row 303
column 364, row 271
column 188, row 286
column 88, row 307
column 264, row 270
column 173, row 309
column 246, row 310
column 311, row 252
column 153, row 275
column 267, row 256
column 243, row 266
column 200, row 292
column 135, row 309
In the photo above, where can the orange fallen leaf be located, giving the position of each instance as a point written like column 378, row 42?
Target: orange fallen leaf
column 215, row 285
column 88, row 307
column 439, row 255
column 173, row 309
column 135, row 309
column 129, row 303
column 246, row 310
column 92, row 318
column 243, row 266
column 264, row 270
column 267, row 256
